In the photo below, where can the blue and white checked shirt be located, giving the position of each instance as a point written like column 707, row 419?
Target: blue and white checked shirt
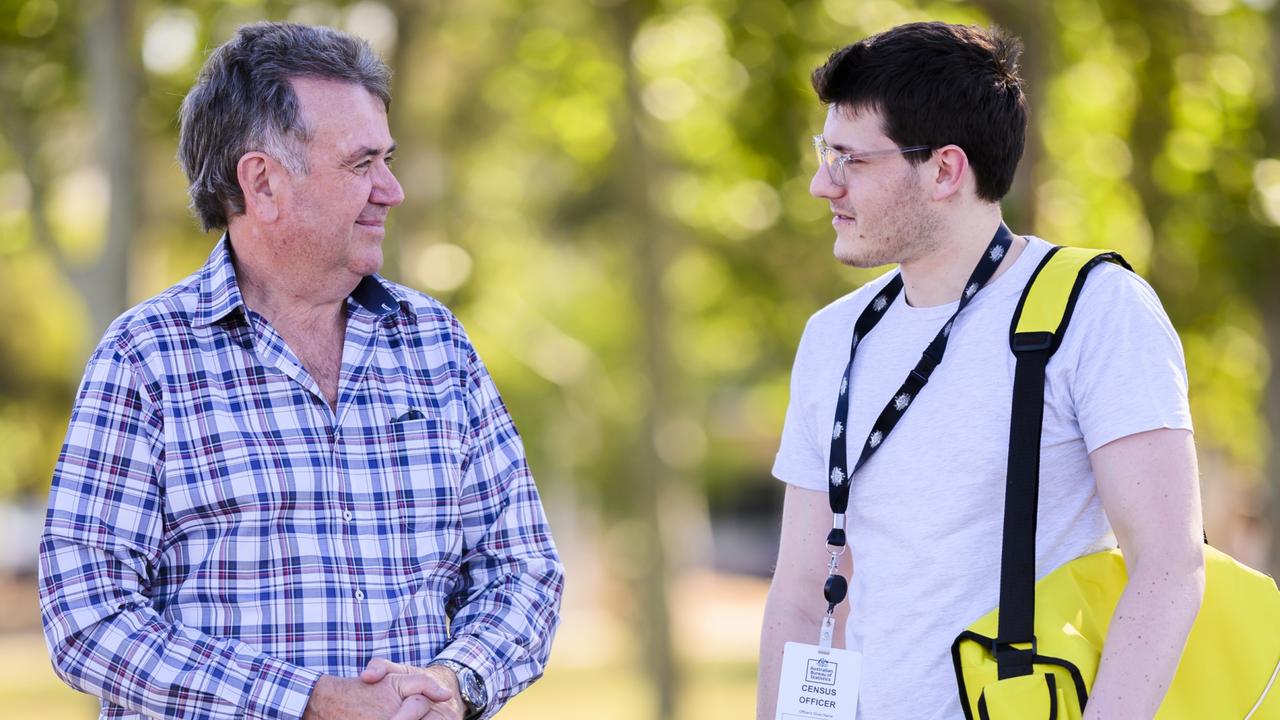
column 218, row 537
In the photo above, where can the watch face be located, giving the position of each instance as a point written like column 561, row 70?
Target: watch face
column 472, row 688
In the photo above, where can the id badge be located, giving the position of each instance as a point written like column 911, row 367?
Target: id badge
column 817, row 684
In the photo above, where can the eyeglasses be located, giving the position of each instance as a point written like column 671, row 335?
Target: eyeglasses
column 835, row 161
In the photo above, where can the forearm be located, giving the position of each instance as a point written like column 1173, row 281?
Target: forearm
column 1147, row 483
column 504, row 614
column 507, row 611
column 107, row 640
column 788, row 619
column 504, row 632
column 1144, row 642
column 795, row 607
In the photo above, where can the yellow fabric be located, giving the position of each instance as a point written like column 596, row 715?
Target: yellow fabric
column 1231, row 665
column 1047, row 301
column 1230, row 656
column 1019, row 698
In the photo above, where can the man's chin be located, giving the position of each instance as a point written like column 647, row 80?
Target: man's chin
column 367, row 250
column 367, row 263
column 854, row 253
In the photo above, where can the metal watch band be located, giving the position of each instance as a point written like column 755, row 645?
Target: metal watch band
column 471, row 685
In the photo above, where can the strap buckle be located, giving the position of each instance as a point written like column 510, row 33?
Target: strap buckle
column 924, row 369
column 1031, row 341
column 999, row 646
column 1012, row 661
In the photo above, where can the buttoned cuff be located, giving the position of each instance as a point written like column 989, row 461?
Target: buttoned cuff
column 472, row 652
column 281, row 691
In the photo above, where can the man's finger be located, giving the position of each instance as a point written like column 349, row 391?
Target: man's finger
column 379, row 668
column 414, row 707
column 420, row 683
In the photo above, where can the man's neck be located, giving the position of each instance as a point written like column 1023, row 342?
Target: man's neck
column 939, row 277
column 282, row 292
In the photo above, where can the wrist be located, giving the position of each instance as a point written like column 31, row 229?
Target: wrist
column 319, row 698
column 471, row 687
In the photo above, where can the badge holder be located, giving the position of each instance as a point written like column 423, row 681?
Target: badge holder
column 820, row 682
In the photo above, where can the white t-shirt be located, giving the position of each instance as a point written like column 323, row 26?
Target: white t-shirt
column 925, row 512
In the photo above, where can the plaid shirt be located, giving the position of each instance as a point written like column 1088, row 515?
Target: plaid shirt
column 218, row 537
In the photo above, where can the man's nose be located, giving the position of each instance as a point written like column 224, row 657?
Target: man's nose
column 386, row 188
column 820, row 185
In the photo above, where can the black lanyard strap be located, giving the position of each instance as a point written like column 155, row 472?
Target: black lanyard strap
column 839, row 475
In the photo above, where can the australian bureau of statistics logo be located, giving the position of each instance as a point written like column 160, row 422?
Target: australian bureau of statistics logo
column 821, row 671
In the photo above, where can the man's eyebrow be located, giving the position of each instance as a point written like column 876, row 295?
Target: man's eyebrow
column 848, row 150
column 838, row 147
column 365, row 152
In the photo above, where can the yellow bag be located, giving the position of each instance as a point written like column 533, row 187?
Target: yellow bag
column 1230, row 662
column 1054, row 629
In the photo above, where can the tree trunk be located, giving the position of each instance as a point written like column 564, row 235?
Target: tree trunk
column 114, row 75
column 650, row 475
column 409, row 20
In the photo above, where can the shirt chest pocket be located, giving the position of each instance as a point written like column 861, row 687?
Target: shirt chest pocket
column 413, row 471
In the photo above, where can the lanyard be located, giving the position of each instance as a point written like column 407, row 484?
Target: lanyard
column 839, row 475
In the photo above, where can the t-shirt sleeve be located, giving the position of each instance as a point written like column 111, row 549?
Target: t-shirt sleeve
column 801, row 460
column 1130, row 374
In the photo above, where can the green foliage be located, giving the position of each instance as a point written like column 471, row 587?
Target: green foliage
column 613, row 197
column 514, row 117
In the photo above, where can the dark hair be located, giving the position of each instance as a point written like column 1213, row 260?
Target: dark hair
column 243, row 101
column 937, row 84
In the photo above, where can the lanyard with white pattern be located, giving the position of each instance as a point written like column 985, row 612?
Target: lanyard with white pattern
column 839, row 476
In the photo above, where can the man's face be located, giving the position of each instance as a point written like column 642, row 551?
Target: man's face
column 882, row 213
column 334, row 215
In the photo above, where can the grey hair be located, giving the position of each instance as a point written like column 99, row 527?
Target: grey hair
column 243, row 102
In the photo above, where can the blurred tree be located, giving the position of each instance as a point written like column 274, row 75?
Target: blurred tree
column 650, row 238
column 95, row 261
column 1267, row 272
column 613, row 196
column 1035, row 24
column 114, row 73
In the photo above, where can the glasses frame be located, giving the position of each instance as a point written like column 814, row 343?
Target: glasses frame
column 834, row 161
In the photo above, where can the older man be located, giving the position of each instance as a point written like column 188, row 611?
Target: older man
column 286, row 469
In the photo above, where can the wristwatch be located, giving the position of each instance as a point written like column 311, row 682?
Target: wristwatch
column 471, row 686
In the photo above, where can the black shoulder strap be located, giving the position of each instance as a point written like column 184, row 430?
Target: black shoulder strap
column 1038, row 326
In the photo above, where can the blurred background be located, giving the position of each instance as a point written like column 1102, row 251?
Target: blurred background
column 612, row 196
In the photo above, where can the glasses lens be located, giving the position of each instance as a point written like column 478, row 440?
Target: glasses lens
column 830, row 159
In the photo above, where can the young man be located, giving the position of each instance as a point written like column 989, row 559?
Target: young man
column 924, row 129
column 285, row 471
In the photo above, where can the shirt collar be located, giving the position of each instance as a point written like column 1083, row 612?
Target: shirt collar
column 380, row 297
column 220, row 294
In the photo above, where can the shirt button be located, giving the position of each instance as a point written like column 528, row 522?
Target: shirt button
column 347, row 515
column 359, row 594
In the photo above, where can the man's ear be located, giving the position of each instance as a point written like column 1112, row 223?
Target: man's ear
column 952, row 172
column 258, row 175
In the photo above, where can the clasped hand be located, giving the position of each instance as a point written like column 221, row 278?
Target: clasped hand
column 387, row 690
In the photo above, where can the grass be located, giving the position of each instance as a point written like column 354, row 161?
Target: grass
column 29, row 689
column 592, row 674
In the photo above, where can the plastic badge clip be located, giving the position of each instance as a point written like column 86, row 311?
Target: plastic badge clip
column 836, row 541
column 827, row 633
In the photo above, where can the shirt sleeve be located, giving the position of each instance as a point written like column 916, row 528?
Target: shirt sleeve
column 99, row 553
column 506, row 610
column 1129, row 374
column 801, row 460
